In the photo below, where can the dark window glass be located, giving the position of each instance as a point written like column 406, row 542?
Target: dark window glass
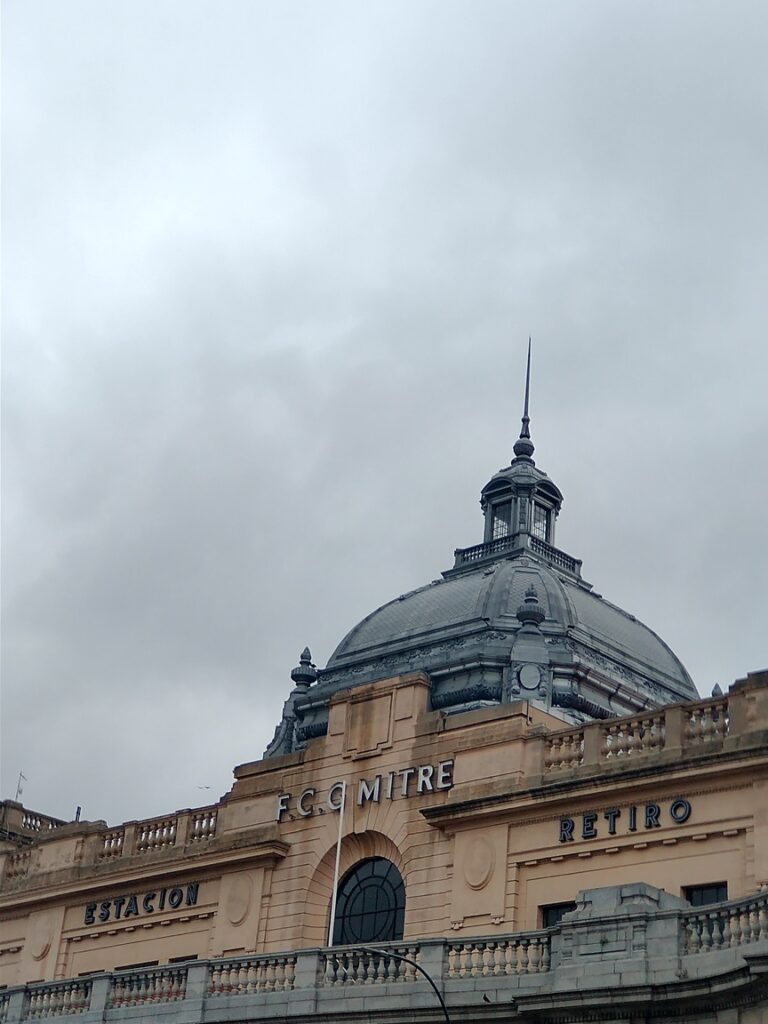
column 370, row 906
column 702, row 895
column 551, row 915
column 136, row 967
column 540, row 522
column 501, row 518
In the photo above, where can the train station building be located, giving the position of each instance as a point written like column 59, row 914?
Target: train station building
column 509, row 789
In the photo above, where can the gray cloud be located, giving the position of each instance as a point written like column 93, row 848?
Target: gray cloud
column 269, row 271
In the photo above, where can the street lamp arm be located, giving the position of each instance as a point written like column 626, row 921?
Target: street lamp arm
column 408, row 960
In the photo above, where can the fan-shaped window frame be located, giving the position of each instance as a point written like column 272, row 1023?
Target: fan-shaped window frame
column 370, row 904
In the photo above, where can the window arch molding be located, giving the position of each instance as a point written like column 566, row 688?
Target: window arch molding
column 354, row 847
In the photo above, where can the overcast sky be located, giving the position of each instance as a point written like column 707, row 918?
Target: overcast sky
column 269, row 273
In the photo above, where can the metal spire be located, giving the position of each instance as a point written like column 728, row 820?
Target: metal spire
column 524, row 446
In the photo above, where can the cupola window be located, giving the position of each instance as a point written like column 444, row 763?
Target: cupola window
column 540, row 527
column 502, row 514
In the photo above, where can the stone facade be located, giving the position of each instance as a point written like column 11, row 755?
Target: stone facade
column 491, row 817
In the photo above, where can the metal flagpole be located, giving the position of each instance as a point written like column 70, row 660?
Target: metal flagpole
column 338, row 858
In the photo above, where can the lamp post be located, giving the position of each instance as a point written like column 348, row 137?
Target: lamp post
column 408, row 960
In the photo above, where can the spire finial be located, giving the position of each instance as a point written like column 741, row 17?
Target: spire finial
column 524, row 445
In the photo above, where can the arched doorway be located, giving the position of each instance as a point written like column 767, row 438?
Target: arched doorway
column 370, row 905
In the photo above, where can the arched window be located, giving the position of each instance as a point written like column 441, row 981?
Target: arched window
column 370, row 905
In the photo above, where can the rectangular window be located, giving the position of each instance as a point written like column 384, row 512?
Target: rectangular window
column 703, row 895
column 552, row 914
column 501, row 516
column 182, row 959
column 137, row 967
column 540, row 522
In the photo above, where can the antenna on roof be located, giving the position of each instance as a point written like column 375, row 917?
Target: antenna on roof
column 19, row 787
column 524, row 446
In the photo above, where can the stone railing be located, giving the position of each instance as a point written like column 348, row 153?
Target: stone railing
column 707, row 721
column 252, row 974
column 564, row 751
column 349, row 966
column 700, row 725
column 113, row 841
column 571, row 958
column 627, row 736
column 725, row 925
column 154, row 835
column 142, row 988
column 34, row 822
column 555, row 556
column 202, row 825
column 477, row 552
column 59, row 999
column 516, row 954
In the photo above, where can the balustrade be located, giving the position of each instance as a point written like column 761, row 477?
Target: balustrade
column 202, row 825
column 362, row 967
column 249, row 975
column 484, row 958
column 555, row 556
column 627, row 737
column 154, row 835
column 57, row 1000
column 707, row 721
column 564, row 751
column 724, row 926
column 4, row 1000
column 159, row 985
column 34, row 822
column 112, row 844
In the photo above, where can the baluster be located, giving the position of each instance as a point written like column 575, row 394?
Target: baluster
column 248, row 982
column 368, row 969
column 734, row 927
column 744, row 922
column 487, row 959
column 475, row 960
column 754, row 923
column 392, row 969
column 280, row 974
column 245, row 977
column 215, row 980
column 381, row 969
column 706, row 938
column 498, row 958
column 269, row 985
column 717, row 931
column 693, row 935
column 462, row 960
column 290, row 973
column 524, row 956
column 763, row 921
column 544, row 965
column 510, row 957
column 533, row 957
column 451, row 961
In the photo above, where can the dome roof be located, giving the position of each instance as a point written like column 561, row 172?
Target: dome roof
column 475, row 612
column 513, row 619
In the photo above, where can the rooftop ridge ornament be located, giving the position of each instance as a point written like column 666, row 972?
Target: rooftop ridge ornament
column 524, row 445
